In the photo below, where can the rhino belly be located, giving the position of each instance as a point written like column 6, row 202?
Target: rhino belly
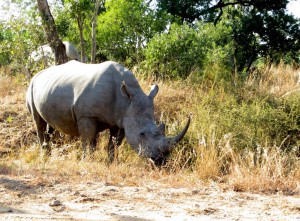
column 60, row 119
column 65, row 127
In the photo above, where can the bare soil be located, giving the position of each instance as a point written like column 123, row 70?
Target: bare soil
column 32, row 198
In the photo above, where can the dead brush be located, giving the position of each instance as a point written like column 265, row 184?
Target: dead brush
column 5, row 85
column 267, row 169
column 171, row 98
column 274, row 79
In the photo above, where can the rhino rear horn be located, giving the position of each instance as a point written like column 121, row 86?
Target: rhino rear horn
column 153, row 91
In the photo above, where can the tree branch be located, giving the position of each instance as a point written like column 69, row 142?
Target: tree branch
column 220, row 5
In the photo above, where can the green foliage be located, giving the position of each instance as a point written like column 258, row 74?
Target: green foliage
column 260, row 28
column 290, row 128
column 64, row 26
column 271, row 35
column 185, row 49
column 125, row 28
column 192, row 10
column 187, row 10
column 20, row 35
column 257, row 122
column 80, row 12
column 248, row 122
column 67, row 27
column 5, row 38
column 176, row 53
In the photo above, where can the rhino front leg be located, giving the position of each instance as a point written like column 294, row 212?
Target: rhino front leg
column 88, row 130
column 115, row 140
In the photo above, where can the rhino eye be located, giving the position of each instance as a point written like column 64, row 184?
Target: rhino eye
column 142, row 134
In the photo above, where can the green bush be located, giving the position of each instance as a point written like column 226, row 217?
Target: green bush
column 185, row 50
column 251, row 123
column 122, row 35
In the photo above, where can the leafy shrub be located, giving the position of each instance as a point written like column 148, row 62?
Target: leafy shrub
column 255, row 122
column 122, row 35
column 185, row 50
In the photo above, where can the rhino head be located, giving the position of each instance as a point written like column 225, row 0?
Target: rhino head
column 141, row 131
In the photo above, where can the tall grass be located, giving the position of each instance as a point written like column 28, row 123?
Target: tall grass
column 245, row 135
column 248, row 134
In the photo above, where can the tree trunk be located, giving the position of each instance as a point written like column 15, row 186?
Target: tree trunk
column 82, row 43
column 51, row 33
column 94, row 28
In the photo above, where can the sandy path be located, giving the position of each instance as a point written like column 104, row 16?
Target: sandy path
column 21, row 199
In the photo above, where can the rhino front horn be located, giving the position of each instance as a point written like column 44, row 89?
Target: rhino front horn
column 174, row 140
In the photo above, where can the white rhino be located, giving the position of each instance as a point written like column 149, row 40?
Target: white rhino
column 45, row 54
column 83, row 99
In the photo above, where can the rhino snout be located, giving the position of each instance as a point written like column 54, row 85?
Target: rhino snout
column 160, row 159
column 161, row 152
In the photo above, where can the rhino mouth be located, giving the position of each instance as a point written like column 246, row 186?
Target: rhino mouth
column 157, row 159
column 160, row 160
column 159, row 156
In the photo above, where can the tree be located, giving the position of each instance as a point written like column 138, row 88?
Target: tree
column 186, row 10
column 125, row 27
column 191, row 10
column 94, row 28
column 264, row 34
column 79, row 11
column 260, row 28
column 51, row 33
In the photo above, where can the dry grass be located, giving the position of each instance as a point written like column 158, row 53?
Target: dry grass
column 268, row 169
column 205, row 153
column 274, row 79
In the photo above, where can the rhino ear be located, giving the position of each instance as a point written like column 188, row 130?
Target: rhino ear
column 153, row 91
column 124, row 91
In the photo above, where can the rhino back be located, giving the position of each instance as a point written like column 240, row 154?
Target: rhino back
column 63, row 94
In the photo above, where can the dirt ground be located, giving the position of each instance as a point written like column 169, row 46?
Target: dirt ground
column 29, row 198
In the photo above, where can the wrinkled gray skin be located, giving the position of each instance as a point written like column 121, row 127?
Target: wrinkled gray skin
column 84, row 99
column 44, row 53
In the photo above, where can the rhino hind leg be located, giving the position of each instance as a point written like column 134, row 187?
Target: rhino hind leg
column 115, row 140
column 43, row 136
column 50, row 130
